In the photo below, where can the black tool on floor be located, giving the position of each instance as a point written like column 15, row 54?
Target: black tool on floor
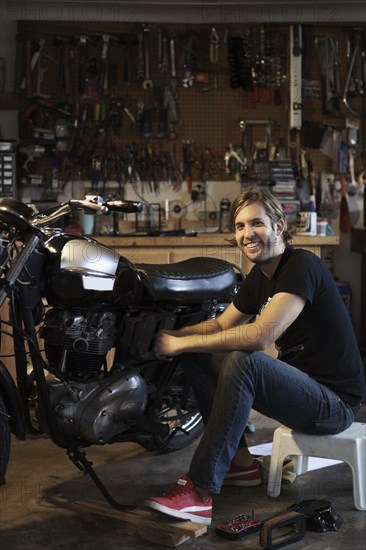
column 282, row 530
column 320, row 515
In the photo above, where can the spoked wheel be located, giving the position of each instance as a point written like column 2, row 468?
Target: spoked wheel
column 5, row 433
column 178, row 413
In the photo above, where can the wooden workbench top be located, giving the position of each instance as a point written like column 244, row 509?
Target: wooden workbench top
column 204, row 238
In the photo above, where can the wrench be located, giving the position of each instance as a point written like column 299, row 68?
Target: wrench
column 172, row 59
column 104, row 76
column 147, row 83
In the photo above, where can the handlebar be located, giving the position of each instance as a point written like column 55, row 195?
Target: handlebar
column 16, row 214
column 91, row 205
column 97, row 204
column 124, row 207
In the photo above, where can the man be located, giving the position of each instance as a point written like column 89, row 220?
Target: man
column 315, row 386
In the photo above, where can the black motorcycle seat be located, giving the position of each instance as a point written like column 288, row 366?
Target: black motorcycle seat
column 192, row 280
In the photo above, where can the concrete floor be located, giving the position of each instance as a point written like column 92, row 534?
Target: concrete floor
column 37, row 502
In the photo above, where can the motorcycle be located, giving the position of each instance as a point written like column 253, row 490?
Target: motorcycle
column 83, row 320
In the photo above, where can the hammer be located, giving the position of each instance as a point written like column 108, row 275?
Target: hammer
column 30, row 61
column 104, row 75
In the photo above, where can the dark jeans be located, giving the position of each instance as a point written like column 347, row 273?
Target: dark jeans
column 228, row 386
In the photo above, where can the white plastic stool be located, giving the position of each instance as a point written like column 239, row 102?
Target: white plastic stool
column 348, row 446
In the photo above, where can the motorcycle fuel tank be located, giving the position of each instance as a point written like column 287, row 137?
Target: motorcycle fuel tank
column 83, row 272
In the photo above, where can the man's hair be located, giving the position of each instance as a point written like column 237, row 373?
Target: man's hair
column 271, row 205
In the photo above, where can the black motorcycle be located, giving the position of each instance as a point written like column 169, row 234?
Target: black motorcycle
column 83, row 322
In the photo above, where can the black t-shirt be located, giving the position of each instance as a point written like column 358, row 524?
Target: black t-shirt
column 321, row 341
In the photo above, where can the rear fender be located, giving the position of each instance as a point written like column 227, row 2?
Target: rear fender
column 11, row 396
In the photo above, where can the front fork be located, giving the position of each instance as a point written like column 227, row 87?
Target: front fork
column 24, row 381
column 24, row 331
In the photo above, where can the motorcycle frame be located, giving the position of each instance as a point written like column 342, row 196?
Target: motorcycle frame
column 24, row 334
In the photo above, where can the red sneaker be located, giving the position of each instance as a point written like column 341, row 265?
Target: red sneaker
column 183, row 502
column 244, row 477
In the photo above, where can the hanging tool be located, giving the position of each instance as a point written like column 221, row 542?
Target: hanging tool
column 165, row 62
column 295, row 77
column 355, row 81
column 41, row 70
column 214, row 46
column 104, row 68
column 344, row 217
column 232, row 154
column 162, row 120
column 352, row 187
column 173, row 70
column 30, row 62
column 329, row 63
column 187, row 162
column 92, row 80
column 147, row 83
column 140, row 59
column 190, row 50
column 64, row 67
column 162, row 52
column 82, row 41
column 145, row 114
column 295, row 91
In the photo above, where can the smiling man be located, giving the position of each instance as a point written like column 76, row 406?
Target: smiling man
column 316, row 384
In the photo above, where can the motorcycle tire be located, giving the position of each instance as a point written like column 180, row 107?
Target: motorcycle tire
column 180, row 415
column 5, row 434
column 193, row 428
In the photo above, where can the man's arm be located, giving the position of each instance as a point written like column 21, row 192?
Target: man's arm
column 233, row 330
column 229, row 318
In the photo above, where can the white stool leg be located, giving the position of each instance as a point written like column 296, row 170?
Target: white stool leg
column 275, row 474
column 302, row 463
column 359, row 475
column 280, row 450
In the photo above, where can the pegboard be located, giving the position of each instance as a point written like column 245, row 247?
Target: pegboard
column 208, row 113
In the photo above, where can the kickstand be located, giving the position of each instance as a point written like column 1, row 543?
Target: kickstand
column 78, row 458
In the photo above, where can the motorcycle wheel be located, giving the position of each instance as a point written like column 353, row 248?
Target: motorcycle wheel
column 180, row 415
column 5, row 433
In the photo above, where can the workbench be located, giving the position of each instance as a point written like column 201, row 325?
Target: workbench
column 168, row 249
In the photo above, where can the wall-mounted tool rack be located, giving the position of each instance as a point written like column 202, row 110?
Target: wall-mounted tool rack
column 139, row 117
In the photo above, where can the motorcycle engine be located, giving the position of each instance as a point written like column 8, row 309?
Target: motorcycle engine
column 97, row 411
column 88, row 406
column 77, row 343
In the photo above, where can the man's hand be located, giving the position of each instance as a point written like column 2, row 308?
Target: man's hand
column 168, row 343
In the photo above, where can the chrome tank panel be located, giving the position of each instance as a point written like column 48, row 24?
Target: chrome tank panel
column 82, row 272
column 88, row 256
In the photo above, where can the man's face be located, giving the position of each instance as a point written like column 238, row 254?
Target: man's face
column 255, row 234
